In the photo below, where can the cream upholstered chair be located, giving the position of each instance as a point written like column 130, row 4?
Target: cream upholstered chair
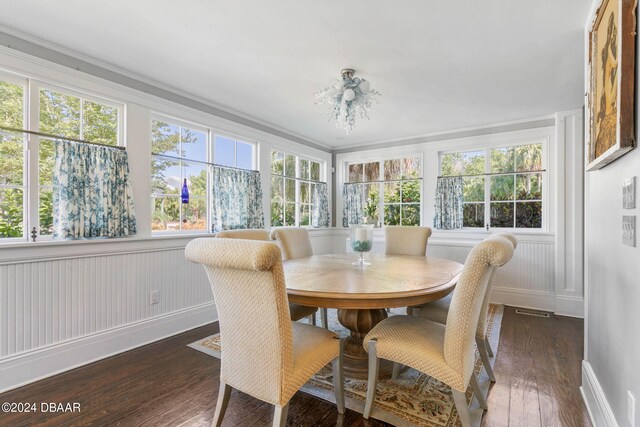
column 406, row 240
column 265, row 354
column 438, row 311
column 297, row 311
column 295, row 243
column 445, row 352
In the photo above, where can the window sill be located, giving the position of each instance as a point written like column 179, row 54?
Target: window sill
column 20, row 252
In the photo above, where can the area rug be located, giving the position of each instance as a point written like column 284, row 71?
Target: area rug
column 413, row 399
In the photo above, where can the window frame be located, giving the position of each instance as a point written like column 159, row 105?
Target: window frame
column 382, row 182
column 236, row 139
column 25, row 187
column 31, row 121
column 155, row 116
column 322, row 178
column 546, row 185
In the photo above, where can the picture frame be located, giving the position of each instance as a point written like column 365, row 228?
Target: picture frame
column 629, row 193
column 610, row 80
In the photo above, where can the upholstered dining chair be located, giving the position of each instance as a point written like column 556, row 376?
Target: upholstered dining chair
column 445, row 352
column 438, row 311
column 406, row 240
column 296, row 243
column 297, row 311
column 265, row 354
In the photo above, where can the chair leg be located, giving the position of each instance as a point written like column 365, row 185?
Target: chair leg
column 478, row 393
column 482, row 349
column 338, row 379
column 280, row 416
column 221, row 406
column 489, row 349
column 374, row 366
column 461, row 406
column 324, row 318
column 396, row 370
column 312, row 319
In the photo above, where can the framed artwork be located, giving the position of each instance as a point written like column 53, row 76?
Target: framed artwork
column 610, row 74
column 629, row 193
column 629, row 230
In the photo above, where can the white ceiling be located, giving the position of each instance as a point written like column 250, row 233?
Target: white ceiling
column 440, row 65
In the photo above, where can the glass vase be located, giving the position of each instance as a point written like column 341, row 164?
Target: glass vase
column 361, row 241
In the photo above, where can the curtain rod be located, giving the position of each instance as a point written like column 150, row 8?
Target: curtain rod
column 202, row 162
column 378, row 182
column 492, row 174
column 47, row 135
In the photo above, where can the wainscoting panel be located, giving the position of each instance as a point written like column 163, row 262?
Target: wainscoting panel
column 51, row 301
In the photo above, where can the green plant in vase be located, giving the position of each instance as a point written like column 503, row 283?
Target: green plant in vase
column 371, row 210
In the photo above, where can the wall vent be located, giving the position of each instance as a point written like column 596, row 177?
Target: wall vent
column 535, row 313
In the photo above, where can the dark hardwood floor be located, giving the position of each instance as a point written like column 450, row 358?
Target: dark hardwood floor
column 167, row 383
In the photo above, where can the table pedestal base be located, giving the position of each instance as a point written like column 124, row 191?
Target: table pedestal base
column 356, row 359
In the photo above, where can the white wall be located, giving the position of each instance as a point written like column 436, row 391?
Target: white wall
column 612, row 335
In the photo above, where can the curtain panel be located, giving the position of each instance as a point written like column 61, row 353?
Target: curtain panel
column 449, row 203
column 320, row 216
column 92, row 195
column 237, row 199
column 352, row 204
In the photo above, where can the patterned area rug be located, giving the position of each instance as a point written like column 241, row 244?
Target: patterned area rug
column 413, row 399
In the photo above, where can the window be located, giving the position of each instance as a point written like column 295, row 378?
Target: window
column 182, row 154
column 179, row 158
column 398, row 180
column 71, row 116
column 502, row 186
column 56, row 112
column 293, row 189
column 13, row 188
column 234, row 153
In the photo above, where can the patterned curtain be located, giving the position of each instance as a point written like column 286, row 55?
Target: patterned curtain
column 237, row 199
column 320, row 215
column 92, row 194
column 352, row 204
column 449, row 207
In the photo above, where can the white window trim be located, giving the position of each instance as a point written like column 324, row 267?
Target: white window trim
column 546, row 183
column 298, row 203
column 209, row 152
column 381, row 160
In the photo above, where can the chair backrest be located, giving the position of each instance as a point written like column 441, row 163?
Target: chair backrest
column 294, row 242
column 406, row 240
column 464, row 311
column 247, row 234
column 482, row 321
column 249, row 290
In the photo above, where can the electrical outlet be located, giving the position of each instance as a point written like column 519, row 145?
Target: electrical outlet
column 155, row 297
column 631, row 408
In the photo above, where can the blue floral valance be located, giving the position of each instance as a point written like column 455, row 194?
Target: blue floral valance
column 237, row 199
column 352, row 204
column 320, row 214
column 92, row 194
column 449, row 203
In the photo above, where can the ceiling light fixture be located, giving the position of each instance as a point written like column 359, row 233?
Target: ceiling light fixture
column 347, row 97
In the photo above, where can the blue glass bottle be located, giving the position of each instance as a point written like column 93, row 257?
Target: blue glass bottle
column 185, row 192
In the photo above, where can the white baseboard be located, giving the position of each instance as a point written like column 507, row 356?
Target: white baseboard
column 595, row 399
column 569, row 306
column 35, row 365
column 546, row 301
column 523, row 298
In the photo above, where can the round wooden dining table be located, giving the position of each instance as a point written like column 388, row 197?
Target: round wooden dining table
column 363, row 293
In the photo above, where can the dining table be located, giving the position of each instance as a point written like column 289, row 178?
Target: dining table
column 362, row 293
